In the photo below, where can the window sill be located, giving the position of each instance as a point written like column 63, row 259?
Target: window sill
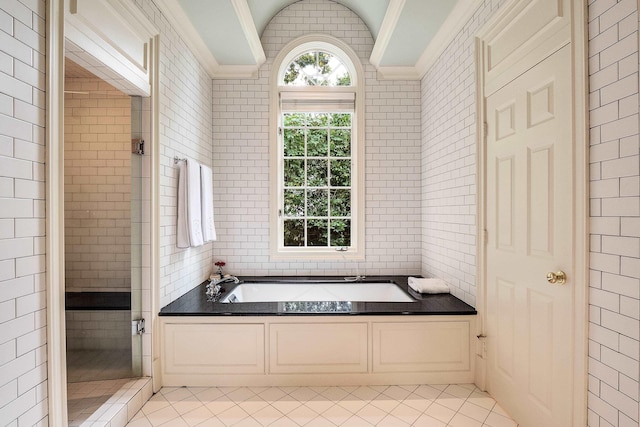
column 325, row 255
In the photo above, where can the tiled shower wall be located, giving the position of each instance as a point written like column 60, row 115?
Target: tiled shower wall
column 23, row 350
column 241, row 157
column 107, row 330
column 97, row 177
column 614, row 297
column 97, row 151
column 185, row 131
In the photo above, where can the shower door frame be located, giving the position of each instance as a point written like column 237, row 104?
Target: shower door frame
column 55, row 268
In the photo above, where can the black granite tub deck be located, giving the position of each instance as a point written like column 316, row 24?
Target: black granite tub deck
column 194, row 303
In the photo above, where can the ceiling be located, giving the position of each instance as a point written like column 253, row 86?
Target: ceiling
column 408, row 34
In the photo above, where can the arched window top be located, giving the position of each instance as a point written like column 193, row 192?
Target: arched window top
column 317, row 68
column 323, row 62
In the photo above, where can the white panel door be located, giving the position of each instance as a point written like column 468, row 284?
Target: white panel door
column 530, row 233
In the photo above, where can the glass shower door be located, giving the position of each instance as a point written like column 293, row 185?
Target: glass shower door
column 137, row 225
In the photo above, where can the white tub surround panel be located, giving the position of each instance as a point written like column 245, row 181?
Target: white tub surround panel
column 316, row 350
column 392, row 166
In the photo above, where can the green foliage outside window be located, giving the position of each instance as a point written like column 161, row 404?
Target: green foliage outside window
column 317, row 69
column 317, row 179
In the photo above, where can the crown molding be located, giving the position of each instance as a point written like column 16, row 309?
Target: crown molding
column 250, row 32
column 398, row 73
column 459, row 16
column 236, row 72
column 391, row 17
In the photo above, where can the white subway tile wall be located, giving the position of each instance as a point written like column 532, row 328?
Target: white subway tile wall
column 185, row 131
column 23, row 354
column 449, row 161
column 241, row 157
column 614, row 294
column 97, row 187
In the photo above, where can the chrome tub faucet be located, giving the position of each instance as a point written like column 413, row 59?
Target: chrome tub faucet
column 215, row 289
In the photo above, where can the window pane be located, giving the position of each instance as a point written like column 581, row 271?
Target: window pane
column 294, row 232
column 318, row 120
column 294, row 202
column 341, row 120
column 343, row 79
column 293, row 142
column 340, row 232
column 294, row 173
column 317, row 69
column 340, row 202
column 340, row 142
column 340, row 173
column 295, row 119
column 317, row 173
column 317, row 142
column 317, row 232
column 317, row 203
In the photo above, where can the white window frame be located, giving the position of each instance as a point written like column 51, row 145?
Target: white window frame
column 350, row 59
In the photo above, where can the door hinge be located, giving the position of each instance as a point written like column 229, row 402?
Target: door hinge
column 486, row 130
column 137, row 146
column 137, row 327
column 486, row 236
column 482, row 351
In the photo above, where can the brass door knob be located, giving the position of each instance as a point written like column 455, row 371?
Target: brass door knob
column 559, row 277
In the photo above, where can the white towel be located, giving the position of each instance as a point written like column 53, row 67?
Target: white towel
column 428, row 286
column 189, row 226
column 206, row 188
column 181, row 226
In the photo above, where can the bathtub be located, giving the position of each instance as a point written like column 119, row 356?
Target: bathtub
column 344, row 291
column 317, row 331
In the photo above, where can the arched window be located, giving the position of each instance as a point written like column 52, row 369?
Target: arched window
column 317, row 202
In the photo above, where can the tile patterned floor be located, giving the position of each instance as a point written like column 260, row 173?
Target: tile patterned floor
column 461, row 405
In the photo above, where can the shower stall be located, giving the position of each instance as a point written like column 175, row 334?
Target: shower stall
column 104, row 226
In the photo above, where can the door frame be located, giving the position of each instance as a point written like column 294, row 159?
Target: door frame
column 579, row 53
column 55, row 263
